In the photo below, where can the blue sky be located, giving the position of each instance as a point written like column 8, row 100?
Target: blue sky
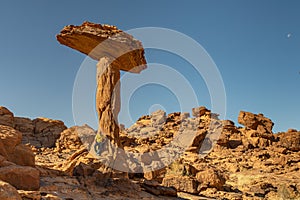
column 248, row 41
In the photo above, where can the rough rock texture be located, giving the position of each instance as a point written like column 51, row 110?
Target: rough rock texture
column 200, row 111
column 290, row 140
column 114, row 50
column 6, row 117
column 108, row 99
column 181, row 183
column 40, row 132
column 17, row 161
column 75, row 137
column 48, row 130
column 243, row 163
column 100, row 41
column 23, row 178
column 12, row 149
column 8, row 192
column 256, row 122
column 210, row 178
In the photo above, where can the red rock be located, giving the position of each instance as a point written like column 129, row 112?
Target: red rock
column 10, row 138
column 256, row 122
column 181, row 183
column 211, row 178
column 6, row 117
column 200, row 111
column 128, row 53
column 23, row 178
column 8, row 192
column 290, row 140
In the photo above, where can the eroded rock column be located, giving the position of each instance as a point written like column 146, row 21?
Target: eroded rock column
column 108, row 99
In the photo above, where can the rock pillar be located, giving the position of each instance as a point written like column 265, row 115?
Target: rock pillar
column 108, row 99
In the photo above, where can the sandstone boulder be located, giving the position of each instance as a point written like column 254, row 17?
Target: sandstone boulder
column 290, row 140
column 255, row 122
column 158, row 117
column 10, row 138
column 23, row 178
column 8, row 192
column 200, row 111
column 181, row 183
column 100, row 40
column 12, row 149
column 75, row 137
column 48, row 131
column 6, row 117
column 24, row 125
column 210, row 178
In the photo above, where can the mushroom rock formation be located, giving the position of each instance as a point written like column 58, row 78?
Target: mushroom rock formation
column 114, row 50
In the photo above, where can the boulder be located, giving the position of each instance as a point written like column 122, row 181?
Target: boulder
column 99, row 40
column 181, row 183
column 48, row 131
column 255, row 122
column 200, row 111
column 12, row 149
column 22, row 178
column 10, row 138
column 210, row 178
column 8, row 192
column 6, row 117
column 24, row 125
column 158, row 117
column 290, row 140
column 23, row 155
column 73, row 138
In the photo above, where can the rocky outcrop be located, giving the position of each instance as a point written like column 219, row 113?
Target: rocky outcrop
column 243, row 163
column 12, row 149
column 17, row 161
column 75, row 138
column 6, row 117
column 210, row 178
column 40, row 132
column 290, row 140
column 181, row 183
column 200, row 111
column 114, row 50
column 255, row 122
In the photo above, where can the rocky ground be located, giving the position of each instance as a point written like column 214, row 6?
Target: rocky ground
column 43, row 159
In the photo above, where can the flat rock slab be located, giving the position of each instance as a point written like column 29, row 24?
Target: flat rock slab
column 100, row 41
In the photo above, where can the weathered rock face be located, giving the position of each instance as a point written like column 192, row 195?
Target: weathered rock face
column 244, row 164
column 41, row 132
column 158, row 117
column 23, row 178
column 6, row 117
column 200, row 111
column 290, row 140
column 8, row 192
column 210, row 178
column 256, row 122
column 108, row 99
column 12, row 149
column 100, row 41
column 17, row 161
column 75, row 138
column 181, row 183
column 48, row 131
